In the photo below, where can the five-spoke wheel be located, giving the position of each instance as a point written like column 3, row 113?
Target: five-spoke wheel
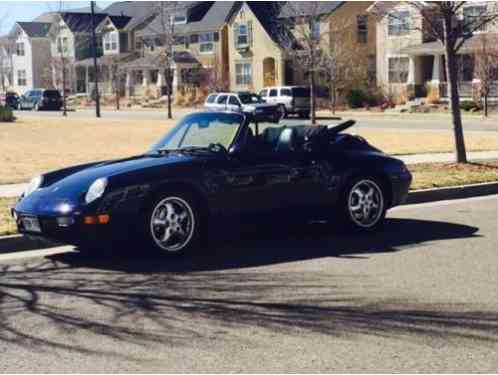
column 173, row 224
column 366, row 203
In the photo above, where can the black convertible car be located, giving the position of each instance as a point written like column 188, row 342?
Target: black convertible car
column 215, row 168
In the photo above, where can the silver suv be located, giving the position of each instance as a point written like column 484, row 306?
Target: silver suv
column 289, row 99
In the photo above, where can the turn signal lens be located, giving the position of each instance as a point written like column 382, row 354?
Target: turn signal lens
column 90, row 220
column 104, row 219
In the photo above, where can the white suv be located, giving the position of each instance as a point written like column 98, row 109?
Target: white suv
column 243, row 102
column 289, row 99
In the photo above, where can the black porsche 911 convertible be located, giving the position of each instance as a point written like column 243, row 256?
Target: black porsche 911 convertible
column 211, row 169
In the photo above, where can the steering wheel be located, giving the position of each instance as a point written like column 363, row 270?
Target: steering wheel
column 218, row 148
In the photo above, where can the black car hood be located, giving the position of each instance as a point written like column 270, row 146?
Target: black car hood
column 77, row 183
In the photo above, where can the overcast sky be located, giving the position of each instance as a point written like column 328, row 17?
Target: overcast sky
column 13, row 11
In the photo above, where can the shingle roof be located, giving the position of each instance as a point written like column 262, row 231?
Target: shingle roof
column 81, row 22
column 35, row 29
column 308, row 8
column 154, row 61
column 120, row 21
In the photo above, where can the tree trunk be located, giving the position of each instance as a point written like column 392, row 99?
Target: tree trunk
column 486, row 104
column 312, row 98
column 64, row 105
column 117, row 97
column 452, row 74
column 334, row 99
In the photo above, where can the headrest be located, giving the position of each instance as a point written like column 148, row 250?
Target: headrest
column 287, row 141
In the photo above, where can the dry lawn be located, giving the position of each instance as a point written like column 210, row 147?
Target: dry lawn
column 7, row 225
column 425, row 176
column 35, row 145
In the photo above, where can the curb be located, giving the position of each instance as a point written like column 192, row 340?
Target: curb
column 451, row 193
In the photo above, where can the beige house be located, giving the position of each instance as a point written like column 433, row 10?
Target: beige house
column 411, row 64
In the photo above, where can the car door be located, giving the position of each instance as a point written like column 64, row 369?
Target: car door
column 234, row 104
column 221, row 103
column 272, row 96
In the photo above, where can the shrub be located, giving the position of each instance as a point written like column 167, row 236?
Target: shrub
column 6, row 114
column 356, row 98
column 468, row 105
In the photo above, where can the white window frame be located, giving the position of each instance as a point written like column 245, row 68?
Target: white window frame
column 245, row 34
column 392, row 57
column 62, row 44
column 20, row 50
column 176, row 21
column 110, row 41
column 243, row 73
column 22, row 78
column 475, row 5
column 403, row 24
column 206, row 43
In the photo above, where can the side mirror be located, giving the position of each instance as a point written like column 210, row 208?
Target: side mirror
column 237, row 151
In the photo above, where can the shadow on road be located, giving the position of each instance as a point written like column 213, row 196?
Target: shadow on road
column 75, row 300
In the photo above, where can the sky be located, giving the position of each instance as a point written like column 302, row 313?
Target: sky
column 13, row 11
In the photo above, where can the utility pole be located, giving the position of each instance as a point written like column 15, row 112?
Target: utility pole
column 94, row 53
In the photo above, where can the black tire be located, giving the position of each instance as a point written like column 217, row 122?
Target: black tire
column 347, row 220
column 196, row 215
column 282, row 111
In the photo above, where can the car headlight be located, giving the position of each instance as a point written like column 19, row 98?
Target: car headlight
column 96, row 190
column 33, row 185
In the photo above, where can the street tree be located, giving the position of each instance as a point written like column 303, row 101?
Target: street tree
column 486, row 67
column 451, row 23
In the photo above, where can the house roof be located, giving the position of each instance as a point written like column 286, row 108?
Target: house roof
column 35, row 29
column 50, row 16
column 154, row 61
column 120, row 21
column 293, row 9
column 434, row 48
column 81, row 22
column 139, row 11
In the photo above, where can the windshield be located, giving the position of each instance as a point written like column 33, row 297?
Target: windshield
column 201, row 130
column 250, row 98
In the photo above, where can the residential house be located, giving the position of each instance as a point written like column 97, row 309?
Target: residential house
column 261, row 35
column 410, row 62
column 70, row 37
column 200, row 50
column 31, row 54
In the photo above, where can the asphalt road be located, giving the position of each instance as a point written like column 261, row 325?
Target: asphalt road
column 421, row 296
column 410, row 122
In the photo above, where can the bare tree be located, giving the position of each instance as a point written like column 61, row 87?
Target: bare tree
column 163, row 29
column 116, row 73
column 307, row 42
column 486, row 67
column 441, row 21
column 6, row 51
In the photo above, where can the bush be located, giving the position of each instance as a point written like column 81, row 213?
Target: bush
column 356, row 98
column 6, row 114
column 468, row 105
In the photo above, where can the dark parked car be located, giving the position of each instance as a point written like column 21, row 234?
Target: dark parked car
column 9, row 99
column 216, row 168
column 39, row 99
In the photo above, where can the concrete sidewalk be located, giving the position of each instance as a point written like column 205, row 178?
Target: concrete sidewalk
column 14, row 190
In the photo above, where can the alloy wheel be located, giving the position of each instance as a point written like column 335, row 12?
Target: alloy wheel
column 366, row 203
column 172, row 224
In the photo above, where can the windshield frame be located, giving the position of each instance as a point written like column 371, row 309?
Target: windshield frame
column 159, row 145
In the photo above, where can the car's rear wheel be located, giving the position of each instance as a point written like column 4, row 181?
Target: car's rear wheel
column 363, row 204
column 282, row 112
column 173, row 224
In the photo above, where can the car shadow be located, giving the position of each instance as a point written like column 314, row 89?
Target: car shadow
column 16, row 243
column 263, row 245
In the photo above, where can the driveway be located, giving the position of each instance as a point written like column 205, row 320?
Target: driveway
column 419, row 296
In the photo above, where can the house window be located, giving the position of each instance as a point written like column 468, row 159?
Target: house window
column 471, row 17
column 179, row 19
column 138, row 77
column 20, row 49
column 315, row 29
column 362, row 25
column 154, row 75
column 206, row 42
column 398, row 69
column 62, row 45
column 110, row 41
column 398, row 23
column 21, row 78
column 179, row 40
column 243, row 35
column 243, row 73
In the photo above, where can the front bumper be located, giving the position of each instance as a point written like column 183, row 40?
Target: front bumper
column 400, row 188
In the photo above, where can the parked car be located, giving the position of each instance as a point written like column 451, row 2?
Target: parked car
column 39, row 99
column 211, row 170
column 9, row 99
column 290, row 99
column 243, row 102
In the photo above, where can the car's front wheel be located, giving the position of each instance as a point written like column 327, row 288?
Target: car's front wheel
column 173, row 224
column 363, row 205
